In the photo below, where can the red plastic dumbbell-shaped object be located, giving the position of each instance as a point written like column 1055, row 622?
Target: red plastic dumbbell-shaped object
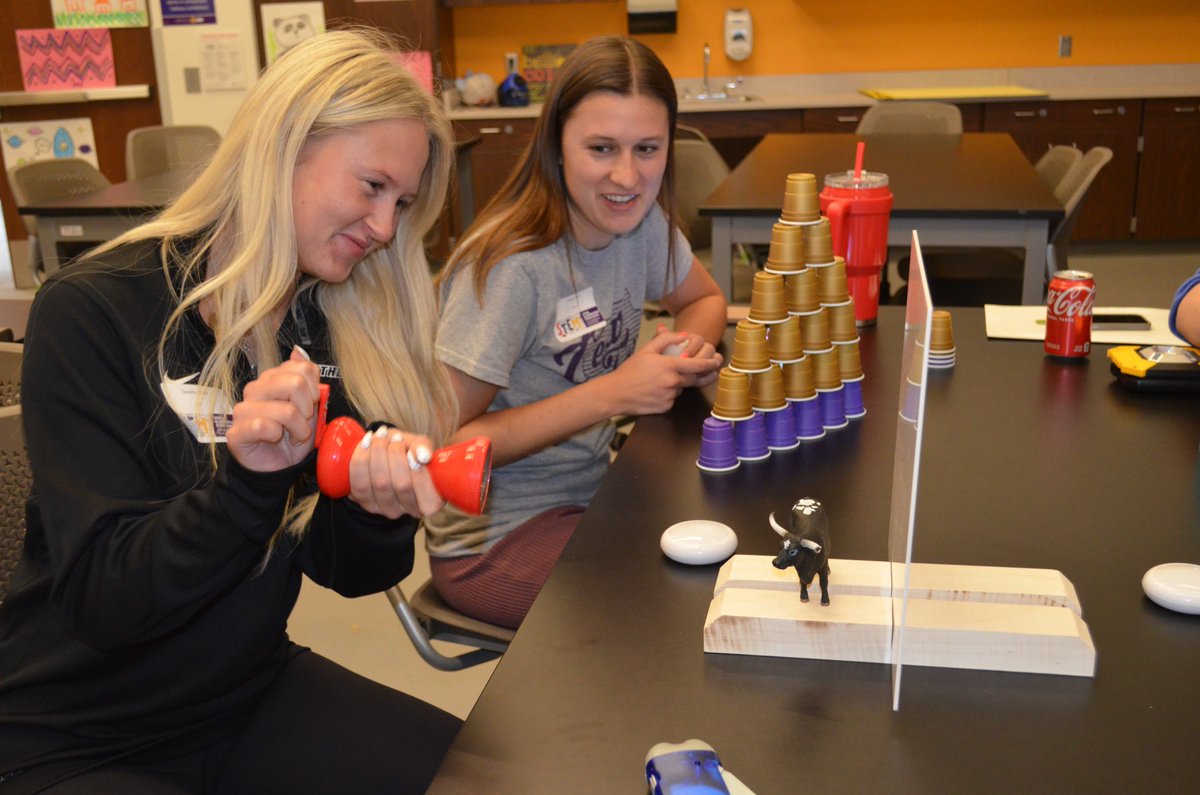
column 461, row 472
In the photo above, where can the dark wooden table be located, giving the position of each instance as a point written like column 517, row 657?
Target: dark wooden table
column 1027, row 463
column 976, row 189
column 101, row 215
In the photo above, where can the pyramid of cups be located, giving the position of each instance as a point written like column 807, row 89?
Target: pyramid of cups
column 799, row 343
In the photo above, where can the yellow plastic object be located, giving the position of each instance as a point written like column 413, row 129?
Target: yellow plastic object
column 1126, row 359
column 1156, row 366
column 953, row 92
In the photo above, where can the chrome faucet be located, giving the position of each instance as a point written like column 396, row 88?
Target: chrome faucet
column 706, row 92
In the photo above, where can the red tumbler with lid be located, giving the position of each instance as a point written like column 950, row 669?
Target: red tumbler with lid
column 858, row 206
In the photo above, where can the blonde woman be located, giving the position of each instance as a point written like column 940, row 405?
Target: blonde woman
column 170, row 390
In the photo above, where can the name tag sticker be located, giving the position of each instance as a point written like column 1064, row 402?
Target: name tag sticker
column 205, row 411
column 577, row 315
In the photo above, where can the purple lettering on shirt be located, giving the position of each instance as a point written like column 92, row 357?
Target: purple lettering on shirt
column 603, row 350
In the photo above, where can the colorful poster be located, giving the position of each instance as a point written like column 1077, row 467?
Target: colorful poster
column 99, row 13
column 284, row 25
column 26, row 141
column 540, row 63
column 60, row 60
column 189, row 12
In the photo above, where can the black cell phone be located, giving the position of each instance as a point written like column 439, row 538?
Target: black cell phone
column 1112, row 321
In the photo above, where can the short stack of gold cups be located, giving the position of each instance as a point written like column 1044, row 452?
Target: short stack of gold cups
column 941, row 341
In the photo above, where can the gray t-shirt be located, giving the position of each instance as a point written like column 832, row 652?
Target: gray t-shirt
column 544, row 327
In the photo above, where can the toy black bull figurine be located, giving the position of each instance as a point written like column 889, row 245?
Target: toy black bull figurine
column 806, row 546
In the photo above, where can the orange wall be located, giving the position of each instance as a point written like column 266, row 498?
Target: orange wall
column 804, row 36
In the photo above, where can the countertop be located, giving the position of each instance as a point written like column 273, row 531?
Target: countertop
column 794, row 92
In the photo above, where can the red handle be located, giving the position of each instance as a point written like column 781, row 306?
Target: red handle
column 461, row 472
column 333, row 456
column 838, row 230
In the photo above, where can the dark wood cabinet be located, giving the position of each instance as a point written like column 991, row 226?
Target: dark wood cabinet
column 1035, row 126
column 1107, row 212
column 847, row 119
column 735, row 132
column 832, row 119
column 501, row 142
column 1169, row 175
column 972, row 116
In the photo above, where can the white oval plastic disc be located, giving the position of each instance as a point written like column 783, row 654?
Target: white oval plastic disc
column 1175, row 586
column 698, row 542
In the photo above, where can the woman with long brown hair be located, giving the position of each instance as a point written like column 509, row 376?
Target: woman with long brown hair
column 542, row 305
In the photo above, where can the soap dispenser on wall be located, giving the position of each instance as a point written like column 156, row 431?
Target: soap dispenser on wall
column 739, row 34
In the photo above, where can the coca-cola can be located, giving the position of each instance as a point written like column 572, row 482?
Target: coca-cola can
column 1069, row 300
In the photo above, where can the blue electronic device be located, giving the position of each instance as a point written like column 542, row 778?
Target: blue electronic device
column 689, row 768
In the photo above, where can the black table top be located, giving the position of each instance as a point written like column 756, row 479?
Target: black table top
column 1027, row 463
column 975, row 175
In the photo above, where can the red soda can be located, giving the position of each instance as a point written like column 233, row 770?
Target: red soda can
column 1069, row 300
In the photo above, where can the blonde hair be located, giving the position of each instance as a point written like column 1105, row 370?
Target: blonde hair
column 383, row 318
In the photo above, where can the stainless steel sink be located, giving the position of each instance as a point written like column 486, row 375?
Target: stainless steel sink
column 725, row 93
column 719, row 98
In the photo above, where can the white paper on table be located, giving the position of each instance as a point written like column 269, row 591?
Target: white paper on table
column 1010, row 322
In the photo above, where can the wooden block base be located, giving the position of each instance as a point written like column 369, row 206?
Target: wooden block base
column 977, row 617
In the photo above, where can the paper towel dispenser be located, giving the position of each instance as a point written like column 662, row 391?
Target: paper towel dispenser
column 651, row 16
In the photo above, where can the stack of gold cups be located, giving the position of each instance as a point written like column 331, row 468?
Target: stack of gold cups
column 843, row 333
column 795, row 370
column 941, row 341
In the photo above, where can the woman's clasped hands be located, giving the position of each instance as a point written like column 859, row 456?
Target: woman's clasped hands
column 654, row 376
column 274, row 427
